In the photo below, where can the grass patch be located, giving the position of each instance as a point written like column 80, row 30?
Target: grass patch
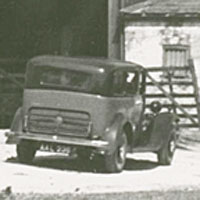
column 153, row 195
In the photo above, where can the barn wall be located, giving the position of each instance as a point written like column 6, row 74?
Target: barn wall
column 143, row 44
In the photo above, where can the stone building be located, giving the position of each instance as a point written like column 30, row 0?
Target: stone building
column 162, row 33
column 166, row 33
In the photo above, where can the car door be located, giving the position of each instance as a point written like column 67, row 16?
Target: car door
column 133, row 89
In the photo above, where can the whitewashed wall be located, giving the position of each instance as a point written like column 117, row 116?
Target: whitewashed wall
column 143, row 44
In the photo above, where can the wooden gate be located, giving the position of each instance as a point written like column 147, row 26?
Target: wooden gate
column 179, row 94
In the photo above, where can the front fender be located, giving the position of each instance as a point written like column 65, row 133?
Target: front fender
column 163, row 127
column 16, row 127
column 112, row 132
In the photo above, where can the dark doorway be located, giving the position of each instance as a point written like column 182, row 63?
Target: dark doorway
column 83, row 27
column 69, row 27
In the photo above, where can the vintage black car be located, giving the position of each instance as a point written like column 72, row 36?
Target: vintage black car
column 90, row 105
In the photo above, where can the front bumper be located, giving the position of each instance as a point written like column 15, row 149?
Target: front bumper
column 14, row 138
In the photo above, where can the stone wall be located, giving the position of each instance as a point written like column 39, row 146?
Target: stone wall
column 143, row 44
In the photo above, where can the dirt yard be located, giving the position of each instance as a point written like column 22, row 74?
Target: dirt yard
column 57, row 174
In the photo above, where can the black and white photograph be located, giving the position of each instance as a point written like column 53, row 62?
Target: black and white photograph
column 99, row 99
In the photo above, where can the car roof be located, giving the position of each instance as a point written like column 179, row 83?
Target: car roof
column 86, row 64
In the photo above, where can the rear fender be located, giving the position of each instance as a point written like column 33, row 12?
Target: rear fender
column 16, row 127
column 163, row 128
column 113, row 133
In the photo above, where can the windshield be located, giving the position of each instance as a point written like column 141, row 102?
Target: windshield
column 46, row 77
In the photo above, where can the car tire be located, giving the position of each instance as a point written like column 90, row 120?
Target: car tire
column 166, row 153
column 115, row 162
column 26, row 152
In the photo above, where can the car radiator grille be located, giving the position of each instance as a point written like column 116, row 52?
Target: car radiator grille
column 59, row 122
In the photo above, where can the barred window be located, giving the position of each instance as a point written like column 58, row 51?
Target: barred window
column 176, row 56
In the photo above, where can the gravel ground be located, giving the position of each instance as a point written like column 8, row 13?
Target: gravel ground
column 57, row 174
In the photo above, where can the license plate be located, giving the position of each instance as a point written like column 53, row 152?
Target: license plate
column 55, row 148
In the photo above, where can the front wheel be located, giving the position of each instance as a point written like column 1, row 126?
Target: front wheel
column 26, row 151
column 115, row 162
column 166, row 153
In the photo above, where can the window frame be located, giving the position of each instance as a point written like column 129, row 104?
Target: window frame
column 124, row 93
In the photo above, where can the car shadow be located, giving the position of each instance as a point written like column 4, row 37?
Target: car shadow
column 84, row 165
column 64, row 163
column 134, row 165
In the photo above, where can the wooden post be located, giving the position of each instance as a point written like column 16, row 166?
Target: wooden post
column 122, row 33
column 113, row 28
column 116, row 28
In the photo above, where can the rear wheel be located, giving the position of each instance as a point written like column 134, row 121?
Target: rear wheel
column 115, row 162
column 166, row 153
column 26, row 151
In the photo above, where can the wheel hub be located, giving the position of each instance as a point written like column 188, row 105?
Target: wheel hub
column 121, row 153
column 172, row 146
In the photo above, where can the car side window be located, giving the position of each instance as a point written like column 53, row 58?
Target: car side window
column 132, row 81
column 124, row 83
column 117, row 83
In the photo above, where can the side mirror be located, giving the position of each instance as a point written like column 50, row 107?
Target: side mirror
column 155, row 107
